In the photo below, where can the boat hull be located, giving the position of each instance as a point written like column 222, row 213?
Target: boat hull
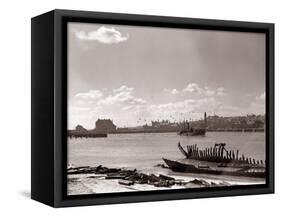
column 195, row 132
column 191, row 168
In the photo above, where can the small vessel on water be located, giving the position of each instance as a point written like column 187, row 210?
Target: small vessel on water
column 192, row 132
column 218, row 161
column 247, row 171
column 188, row 130
column 218, row 154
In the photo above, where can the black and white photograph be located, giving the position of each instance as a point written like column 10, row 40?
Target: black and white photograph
column 158, row 108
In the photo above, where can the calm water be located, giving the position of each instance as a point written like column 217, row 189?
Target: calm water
column 144, row 151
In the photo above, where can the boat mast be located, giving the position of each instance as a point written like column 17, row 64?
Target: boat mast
column 205, row 120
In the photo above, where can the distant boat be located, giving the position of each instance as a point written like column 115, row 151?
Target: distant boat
column 187, row 130
column 192, row 132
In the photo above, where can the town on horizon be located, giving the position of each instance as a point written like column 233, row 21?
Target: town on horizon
column 248, row 123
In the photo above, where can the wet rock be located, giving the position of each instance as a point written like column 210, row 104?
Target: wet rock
column 81, row 170
column 96, row 176
column 126, row 182
column 166, row 177
column 127, row 177
column 153, row 178
column 213, row 184
column 162, row 184
column 114, row 177
column 142, row 178
column 199, row 182
column 180, row 182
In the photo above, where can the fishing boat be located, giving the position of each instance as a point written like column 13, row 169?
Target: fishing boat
column 192, row 132
column 216, row 160
column 218, row 154
column 246, row 171
column 188, row 130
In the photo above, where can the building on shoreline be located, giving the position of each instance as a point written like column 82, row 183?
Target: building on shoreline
column 235, row 123
column 81, row 132
column 105, row 126
column 81, row 129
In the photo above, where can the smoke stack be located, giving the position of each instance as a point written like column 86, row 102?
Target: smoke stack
column 205, row 120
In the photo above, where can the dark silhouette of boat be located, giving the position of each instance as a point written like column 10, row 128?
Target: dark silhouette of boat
column 192, row 132
column 246, row 171
column 188, row 130
column 218, row 154
column 216, row 160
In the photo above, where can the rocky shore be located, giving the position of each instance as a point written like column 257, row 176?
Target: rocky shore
column 101, row 179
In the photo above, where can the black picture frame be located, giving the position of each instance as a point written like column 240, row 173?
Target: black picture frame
column 49, row 107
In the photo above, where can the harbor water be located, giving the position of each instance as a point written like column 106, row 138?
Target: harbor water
column 144, row 151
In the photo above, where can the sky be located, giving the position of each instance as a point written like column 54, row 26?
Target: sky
column 134, row 74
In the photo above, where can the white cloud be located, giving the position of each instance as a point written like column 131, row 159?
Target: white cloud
column 171, row 91
column 103, row 34
column 123, row 95
column 188, row 105
column 127, row 109
column 123, row 88
column 194, row 88
column 92, row 94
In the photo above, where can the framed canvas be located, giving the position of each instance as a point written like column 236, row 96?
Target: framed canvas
column 133, row 108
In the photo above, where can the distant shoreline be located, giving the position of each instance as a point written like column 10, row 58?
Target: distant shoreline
column 175, row 131
column 104, row 135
